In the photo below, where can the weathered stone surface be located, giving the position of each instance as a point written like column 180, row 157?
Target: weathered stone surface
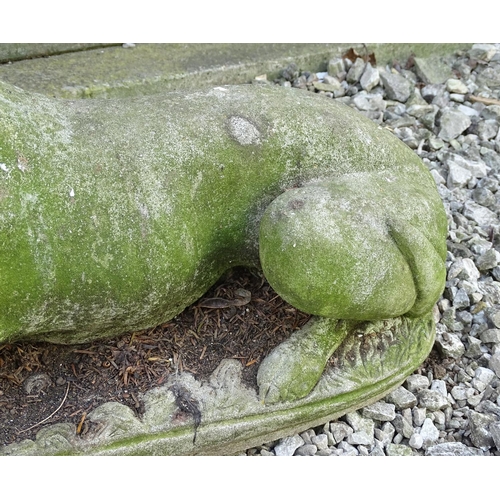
column 421, row 110
column 356, row 70
column 481, row 215
column 306, row 450
column 461, row 299
column 385, row 434
column 283, row 247
column 348, row 449
column 233, row 416
column 377, row 450
column 359, row 423
column 336, row 66
column 493, row 315
column 494, row 363
column 415, row 383
column 487, row 129
column 483, row 51
column 456, row 86
column 320, row 441
column 340, row 430
column 360, row 437
column 491, row 112
column 429, row 433
column 450, row 345
column 154, row 67
column 462, row 393
column 327, row 87
column 458, row 176
column 129, row 264
column 403, row 426
column 482, row 378
column 416, row 441
column 490, row 78
column 484, row 197
column 495, row 433
column 476, row 167
column 488, row 260
column 238, row 136
column 432, row 70
column 307, row 435
column 439, row 386
column 491, row 336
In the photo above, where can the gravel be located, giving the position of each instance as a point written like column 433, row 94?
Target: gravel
column 448, row 111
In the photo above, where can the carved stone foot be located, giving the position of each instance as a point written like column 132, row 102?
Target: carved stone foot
column 294, row 367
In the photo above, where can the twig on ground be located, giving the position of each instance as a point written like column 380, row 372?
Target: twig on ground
column 484, row 100
column 51, row 415
column 79, row 428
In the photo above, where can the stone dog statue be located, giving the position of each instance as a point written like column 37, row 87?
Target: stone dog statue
column 117, row 214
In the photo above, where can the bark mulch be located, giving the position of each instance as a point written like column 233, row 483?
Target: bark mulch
column 65, row 383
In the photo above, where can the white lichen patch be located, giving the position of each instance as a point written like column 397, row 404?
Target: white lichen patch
column 243, row 131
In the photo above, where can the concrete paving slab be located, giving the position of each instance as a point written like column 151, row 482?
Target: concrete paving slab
column 19, row 51
column 149, row 68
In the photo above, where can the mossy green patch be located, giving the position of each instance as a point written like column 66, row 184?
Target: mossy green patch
column 116, row 215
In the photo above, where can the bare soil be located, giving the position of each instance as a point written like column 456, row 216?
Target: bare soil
column 65, row 383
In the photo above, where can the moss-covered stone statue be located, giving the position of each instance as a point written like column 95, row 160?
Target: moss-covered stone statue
column 117, row 214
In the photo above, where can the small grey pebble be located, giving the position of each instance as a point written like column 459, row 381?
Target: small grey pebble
column 324, row 453
column 266, row 453
column 321, row 441
column 397, row 438
column 416, row 441
column 306, row 450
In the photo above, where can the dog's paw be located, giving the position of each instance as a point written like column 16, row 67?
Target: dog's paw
column 357, row 248
column 294, row 367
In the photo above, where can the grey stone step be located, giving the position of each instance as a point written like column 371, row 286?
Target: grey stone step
column 20, row 51
column 95, row 70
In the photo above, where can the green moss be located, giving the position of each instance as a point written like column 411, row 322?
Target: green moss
column 123, row 212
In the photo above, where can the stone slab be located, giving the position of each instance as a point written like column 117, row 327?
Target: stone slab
column 115, row 71
column 18, row 51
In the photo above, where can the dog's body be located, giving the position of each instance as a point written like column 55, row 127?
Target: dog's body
column 117, row 214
